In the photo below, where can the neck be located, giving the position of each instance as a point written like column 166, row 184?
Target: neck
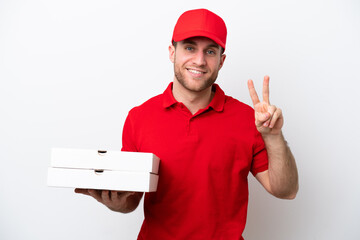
column 194, row 101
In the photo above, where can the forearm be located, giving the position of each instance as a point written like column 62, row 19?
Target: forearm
column 283, row 175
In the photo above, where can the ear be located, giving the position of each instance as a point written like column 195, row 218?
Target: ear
column 172, row 53
column 222, row 60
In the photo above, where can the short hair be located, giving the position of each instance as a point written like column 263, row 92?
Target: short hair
column 222, row 50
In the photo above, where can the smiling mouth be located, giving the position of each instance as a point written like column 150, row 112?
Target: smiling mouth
column 196, row 72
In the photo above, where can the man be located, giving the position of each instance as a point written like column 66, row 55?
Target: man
column 207, row 142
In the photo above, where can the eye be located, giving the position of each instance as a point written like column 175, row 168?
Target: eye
column 211, row 52
column 189, row 48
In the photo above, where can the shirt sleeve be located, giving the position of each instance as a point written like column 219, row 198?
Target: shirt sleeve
column 260, row 157
column 128, row 140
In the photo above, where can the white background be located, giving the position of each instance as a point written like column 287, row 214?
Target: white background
column 71, row 70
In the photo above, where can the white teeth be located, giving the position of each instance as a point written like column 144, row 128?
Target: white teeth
column 194, row 71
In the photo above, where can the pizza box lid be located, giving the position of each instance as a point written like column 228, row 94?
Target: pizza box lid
column 104, row 160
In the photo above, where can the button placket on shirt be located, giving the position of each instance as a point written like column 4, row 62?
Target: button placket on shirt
column 189, row 129
column 188, row 118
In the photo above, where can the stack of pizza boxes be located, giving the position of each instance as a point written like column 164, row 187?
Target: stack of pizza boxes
column 104, row 170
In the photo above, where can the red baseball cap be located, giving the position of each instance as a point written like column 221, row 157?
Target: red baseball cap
column 200, row 23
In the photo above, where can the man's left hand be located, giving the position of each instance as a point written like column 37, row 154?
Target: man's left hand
column 268, row 118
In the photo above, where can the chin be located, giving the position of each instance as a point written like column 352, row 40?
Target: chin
column 193, row 84
column 196, row 87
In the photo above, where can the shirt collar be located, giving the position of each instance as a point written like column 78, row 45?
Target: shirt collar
column 168, row 99
column 217, row 103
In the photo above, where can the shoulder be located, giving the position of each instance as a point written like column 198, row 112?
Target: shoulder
column 240, row 113
column 148, row 107
column 243, row 115
column 232, row 104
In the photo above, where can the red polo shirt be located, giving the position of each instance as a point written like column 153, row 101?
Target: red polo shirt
column 205, row 161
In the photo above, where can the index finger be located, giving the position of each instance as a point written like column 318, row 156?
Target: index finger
column 252, row 91
column 266, row 90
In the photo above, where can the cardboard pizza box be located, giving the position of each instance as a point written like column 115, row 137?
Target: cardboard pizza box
column 106, row 170
column 105, row 160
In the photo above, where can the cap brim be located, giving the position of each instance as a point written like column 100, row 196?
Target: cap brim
column 181, row 37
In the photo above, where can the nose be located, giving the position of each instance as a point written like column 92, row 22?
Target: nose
column 199, row 58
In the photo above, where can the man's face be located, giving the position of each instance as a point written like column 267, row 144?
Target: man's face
column 197, row 62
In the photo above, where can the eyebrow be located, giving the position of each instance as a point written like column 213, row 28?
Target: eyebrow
column 213, row 45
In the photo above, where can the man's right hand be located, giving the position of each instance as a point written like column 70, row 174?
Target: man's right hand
column 119, row 201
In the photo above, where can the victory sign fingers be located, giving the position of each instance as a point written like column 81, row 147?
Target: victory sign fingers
column 268, row 118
